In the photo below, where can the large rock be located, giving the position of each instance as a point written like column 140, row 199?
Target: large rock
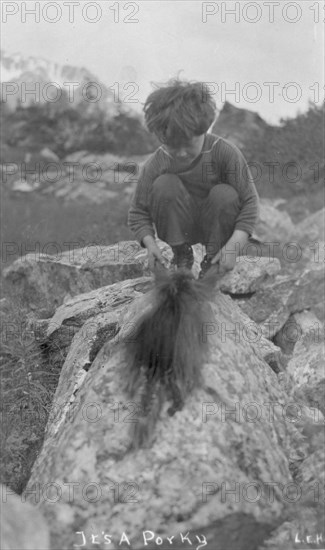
column 296, row 245
column 49, row 155
column 273, row 303
column 76, row 311
column 47, row 280
column 313, row 255
column 249, row 274
column 307, row 368
column 274, row 225
column 22, row 526
column 238, row 125
column 88, row 482
column 304, row 527
column 85, row 324
column 23, row 186
column 84, row 311
column 90, row 177
column 94, row 319
column 313, row 227
column 299, row 325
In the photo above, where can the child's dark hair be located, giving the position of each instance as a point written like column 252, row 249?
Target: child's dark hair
column 166, row 351
column 179, row 110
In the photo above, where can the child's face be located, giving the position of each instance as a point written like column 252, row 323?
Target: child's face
column 186, row 151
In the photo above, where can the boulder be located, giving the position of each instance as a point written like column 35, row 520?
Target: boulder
column 48, row 279
column 299, row 325
column 249, row 274
column 88, row 482
column 307, row 368
column 239, row 125
column 84, row 347
column 312, row 228
column 76, row 311
column 313, row 255
column 274, row 225
column 305, row 528
column 297, row 246
column 312, row 473
column 23, row 186
column 56, row 334
column 244, row 329
column 94, row 319
column 22, row 525
column 272, row 304
column 51, row 280
column 90, row 177
column 49, row 155
column 81, row 327
column 77, row 319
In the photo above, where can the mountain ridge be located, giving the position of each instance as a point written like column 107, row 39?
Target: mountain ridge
column 18, row 69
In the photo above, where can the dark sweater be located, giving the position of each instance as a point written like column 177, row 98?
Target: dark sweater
column 219, row 162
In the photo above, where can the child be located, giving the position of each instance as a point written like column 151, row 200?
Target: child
column 196, row 187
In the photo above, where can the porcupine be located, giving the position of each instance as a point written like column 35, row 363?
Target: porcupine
column 165, row 355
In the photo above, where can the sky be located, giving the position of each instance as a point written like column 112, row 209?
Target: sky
column 265, row 56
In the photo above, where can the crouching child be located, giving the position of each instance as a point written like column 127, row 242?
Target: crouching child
column 196, row 187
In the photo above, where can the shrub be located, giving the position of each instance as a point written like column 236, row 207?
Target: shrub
column 27, row 389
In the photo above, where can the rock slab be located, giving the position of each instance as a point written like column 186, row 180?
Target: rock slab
column 156, row 489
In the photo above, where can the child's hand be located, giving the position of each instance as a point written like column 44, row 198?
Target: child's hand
column 225, row 259
column 154, row 256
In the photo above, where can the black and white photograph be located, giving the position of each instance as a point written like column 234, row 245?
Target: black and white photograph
column 162, row 303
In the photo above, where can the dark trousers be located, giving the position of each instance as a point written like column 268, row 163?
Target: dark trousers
column 181, row 218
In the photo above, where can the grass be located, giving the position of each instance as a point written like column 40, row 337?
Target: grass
column 28, row 381
column 43, row 224
column 28, row 384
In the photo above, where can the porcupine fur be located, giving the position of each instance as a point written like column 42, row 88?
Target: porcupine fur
column 165, row 355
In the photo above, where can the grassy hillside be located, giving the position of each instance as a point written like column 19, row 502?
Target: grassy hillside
column 64, row 130
column 295, row 149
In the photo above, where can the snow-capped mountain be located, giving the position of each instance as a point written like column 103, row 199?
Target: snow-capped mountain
column 15, row 65
column 50, row 82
